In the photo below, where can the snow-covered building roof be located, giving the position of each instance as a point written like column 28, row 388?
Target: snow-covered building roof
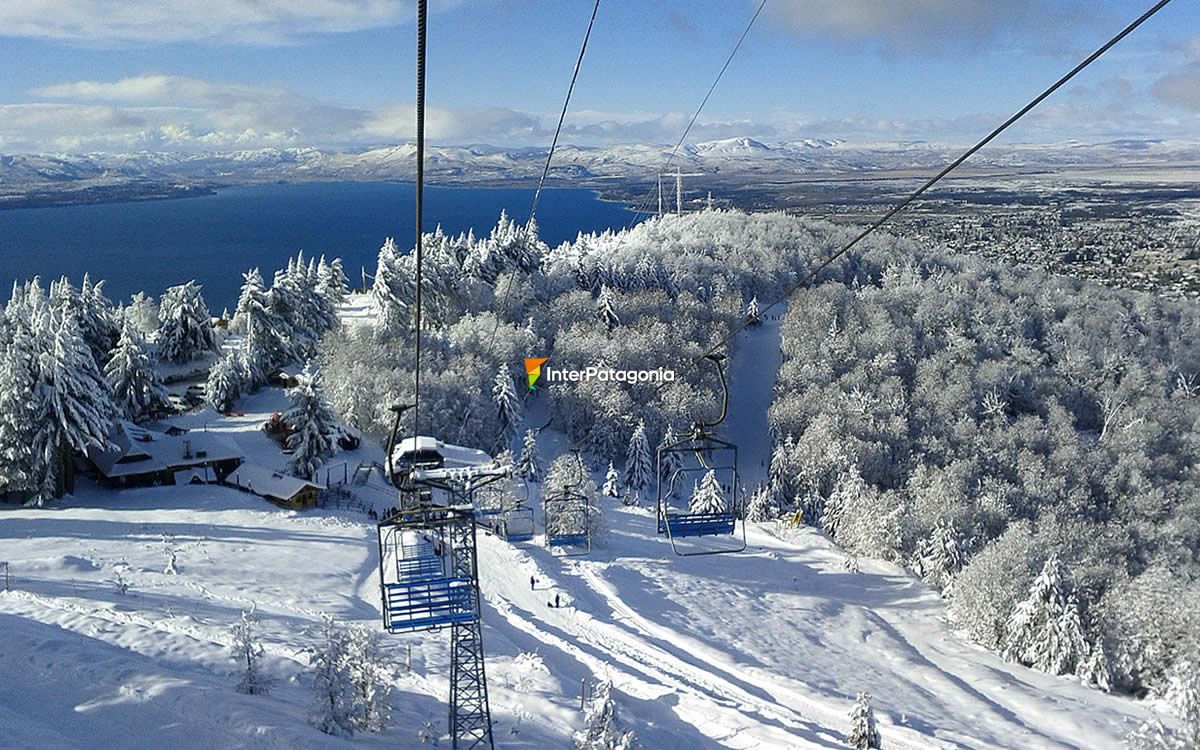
column 134, row 450
column 269, row 483
column 452, row 456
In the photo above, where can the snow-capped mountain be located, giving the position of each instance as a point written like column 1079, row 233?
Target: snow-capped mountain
column 730, row 158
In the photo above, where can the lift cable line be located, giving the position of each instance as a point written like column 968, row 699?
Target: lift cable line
column 537, row 194
column 643, row 206
column 502, row 309
column 421, row 24
column 811, row 275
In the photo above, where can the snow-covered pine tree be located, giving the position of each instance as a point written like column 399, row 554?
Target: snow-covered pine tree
column 333, row 688
column 753, row 314
column 761, row 507
column 639, row 466
column 252, row 302
column 185, row 329
column 602, row 730
column 248, row 653
column 708, row 497
column 370, row 680
column 291, row 308
column 529, row 465
column 508, row 406
column 19, row 470
column 332, row 281
column 611, row 482
column 671, row 460
column 863, row 734
column 142, row 312
column 97, row 320
column 77, row 407
column 314, row 425
column 606, row 308
column 225, row 382
column 940, row 556
column 389, row 295
column 137, row 391
column 1044, row 631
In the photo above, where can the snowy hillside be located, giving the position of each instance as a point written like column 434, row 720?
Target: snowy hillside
column 765, row 649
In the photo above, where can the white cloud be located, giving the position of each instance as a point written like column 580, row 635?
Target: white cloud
column 215, row 21
column 162, row 112
column 919, row 26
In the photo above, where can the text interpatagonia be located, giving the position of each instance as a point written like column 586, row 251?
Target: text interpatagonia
column 604, row 374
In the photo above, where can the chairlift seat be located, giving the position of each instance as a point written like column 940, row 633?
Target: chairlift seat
column 568, row 540
column 429, row 603
column 697, row 524
column 419, row 568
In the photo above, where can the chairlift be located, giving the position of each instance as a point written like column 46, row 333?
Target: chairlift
column 427, row 570
column 567, row 514
column 697, row 485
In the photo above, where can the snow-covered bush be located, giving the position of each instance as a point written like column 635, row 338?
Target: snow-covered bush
column 863, row 734
column 603, row 730
column 248, row 653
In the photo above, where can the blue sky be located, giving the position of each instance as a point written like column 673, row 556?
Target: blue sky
column 78, row 75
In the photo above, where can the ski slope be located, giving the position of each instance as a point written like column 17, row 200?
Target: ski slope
column 764, row 649
column 760, row 650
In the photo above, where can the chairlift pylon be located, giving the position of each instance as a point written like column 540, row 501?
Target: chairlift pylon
column 711, row 466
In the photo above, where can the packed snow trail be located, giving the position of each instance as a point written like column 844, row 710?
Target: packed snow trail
column 671, row 634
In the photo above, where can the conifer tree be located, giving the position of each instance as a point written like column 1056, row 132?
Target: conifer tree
column 507, row 405
column 224, row 383
column 389, row 293
column 864, row 734
column 1044, row 631
column 370, row 681
column 529, row 465
column 606, row 309
column 76, row 403
column 639, row 467
column 314, row 425
column 18, row 416
column 753, row 314
column 762, row 505
column 611, row 482
column 940, row 556
column 333, row 689
column 708, row 497
column 332, row 281
column 248, row 652
column 137, row 391
column 185, row 329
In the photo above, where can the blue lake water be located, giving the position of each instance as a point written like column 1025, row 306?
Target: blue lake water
column 148, row 246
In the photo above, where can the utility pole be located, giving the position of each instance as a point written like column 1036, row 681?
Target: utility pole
column 678, row 191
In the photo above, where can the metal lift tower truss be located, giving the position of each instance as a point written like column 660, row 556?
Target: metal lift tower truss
column 429, row 580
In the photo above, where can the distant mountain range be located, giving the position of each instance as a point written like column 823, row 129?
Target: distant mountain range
column 62, row 178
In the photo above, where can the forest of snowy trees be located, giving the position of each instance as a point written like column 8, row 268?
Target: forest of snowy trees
column 75, row 363
column 1025, row 443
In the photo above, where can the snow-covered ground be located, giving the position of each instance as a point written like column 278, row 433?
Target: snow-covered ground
column 760, row 650
column 764, row 649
